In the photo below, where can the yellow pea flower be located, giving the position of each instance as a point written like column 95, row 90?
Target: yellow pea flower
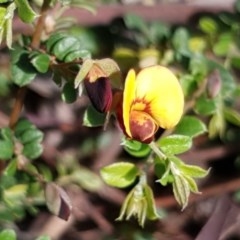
column 151, row 99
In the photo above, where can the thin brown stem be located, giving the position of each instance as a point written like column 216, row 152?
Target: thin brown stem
column 36, row 39
column 18, row 105
column 17, row 108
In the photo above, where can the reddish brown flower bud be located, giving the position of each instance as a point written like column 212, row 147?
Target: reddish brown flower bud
column 99, row 93
column 213, row 84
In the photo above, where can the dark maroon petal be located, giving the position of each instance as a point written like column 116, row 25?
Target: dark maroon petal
column 142, row 126
column 99, row 93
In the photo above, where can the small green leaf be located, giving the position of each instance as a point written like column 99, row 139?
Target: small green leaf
column 86, row 179
column 121, row 174
column 190, row 126
column 25, row 11
column 136, row 149
column 175, row 144
column 23, row 125
column 31, row 135
column 6, row 149
column 22, row 70
column 163, row 173
column 93, row 118
column 205, row 106
column 11, row 168
column 198, row 65
column 133, row 21
column 222, row 46
column 8, row 234
column 15, row 193
column 158, row 31
column 208, row 25
column 32, row 150
column 8, row 25
column 180, row 41
column 41, row 62
column 193, row 171
column 64, row 46
column 69, row 93
column 189, row 84
column 232, row 116
column 181, row 190
column 77, row 54
column 6, row 17
column 54, row 38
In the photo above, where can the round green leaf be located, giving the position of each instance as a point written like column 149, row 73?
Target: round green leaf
column 22, row 70
column 8, row 234
column 222, row 46
column 54, row 38
column 41, row 62
column 208, row 25
column 136, row 149
column 65, row 46
column 190, row 126
column 180, row 41
column 22, row 126
column 32, row 150
column 93, row 118
column 175, row 144
column 77, row 54
column 31, row 135
column 69, row 93
column 205, row 106
column 121, row 174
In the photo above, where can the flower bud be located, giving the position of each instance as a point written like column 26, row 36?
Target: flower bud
column 140, row 204
column 213, row 84
column 99, row 93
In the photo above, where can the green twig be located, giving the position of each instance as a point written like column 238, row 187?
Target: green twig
column 157, row 151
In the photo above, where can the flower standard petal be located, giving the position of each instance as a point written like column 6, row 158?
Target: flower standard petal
column 159, row 87
column 128, row 98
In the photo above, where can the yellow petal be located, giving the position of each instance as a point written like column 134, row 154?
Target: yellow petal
column 159, row 86
column 128, row 98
